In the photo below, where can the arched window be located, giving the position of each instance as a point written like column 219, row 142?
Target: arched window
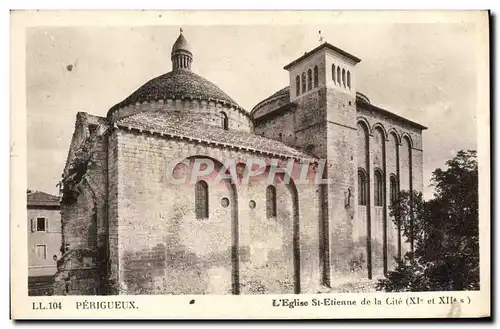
column 343, row 77
column 309, row 79
column 224, row 121
column 362, row 188
column 297, row 85
column 201, row 199
column 338, row 76
column 394, row 189
column 271, row 201
column 316, row 76
column 348, row 79
column 379, row 189
column 333, row 73
column 303, row 82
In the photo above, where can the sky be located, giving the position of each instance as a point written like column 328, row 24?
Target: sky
column 424, row 72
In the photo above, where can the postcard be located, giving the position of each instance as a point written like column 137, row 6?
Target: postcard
column 250, row 164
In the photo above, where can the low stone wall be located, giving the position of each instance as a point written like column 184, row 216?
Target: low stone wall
column 40, row 285
column 78, row 273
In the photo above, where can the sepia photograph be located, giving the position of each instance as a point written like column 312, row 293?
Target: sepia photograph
column 311, row 163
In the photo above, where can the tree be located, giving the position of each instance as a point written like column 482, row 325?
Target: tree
column 444, row 232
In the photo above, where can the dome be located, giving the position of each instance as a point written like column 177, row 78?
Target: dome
column 177, row 84
column 180, row 83
column 362, row 98
column 282, row 94
column 276, row 100
column 181, row 44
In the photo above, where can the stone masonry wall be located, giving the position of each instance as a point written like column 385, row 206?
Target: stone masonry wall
column 114, row 176
column 158, row 246
column 324, row 123
column 281, row 128
column 360, row 244
column 302, row 127
column 207, row 112
column 309, row 123
column 84, row 208
column 342, row 169
column 398, row 136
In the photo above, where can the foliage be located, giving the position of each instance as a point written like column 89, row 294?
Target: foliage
column 444, row 231
column 77, row 170
column 357, row 262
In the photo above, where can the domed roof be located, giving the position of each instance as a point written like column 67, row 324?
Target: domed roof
column 282, row 96
column 177, row 84
column 362, row 97
column 181, row 44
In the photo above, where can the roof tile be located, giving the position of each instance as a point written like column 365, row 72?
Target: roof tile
column 38, row 198
column 176, row 84
column 173, row 123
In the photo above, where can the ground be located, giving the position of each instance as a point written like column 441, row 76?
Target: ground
column 40, row 285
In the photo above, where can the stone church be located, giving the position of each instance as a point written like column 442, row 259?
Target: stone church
column 126, row 229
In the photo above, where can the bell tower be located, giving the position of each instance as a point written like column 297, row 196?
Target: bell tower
column 323, row 87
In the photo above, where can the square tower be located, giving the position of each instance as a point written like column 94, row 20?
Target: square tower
column 323, row 87
column 335, row 69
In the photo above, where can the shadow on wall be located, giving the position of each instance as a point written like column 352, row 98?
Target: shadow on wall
column 275, row 276
column 78, row 274
column 143, row 267
column 357, row 262
column 270, row 268
column 92, row 230
column 171, row 268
